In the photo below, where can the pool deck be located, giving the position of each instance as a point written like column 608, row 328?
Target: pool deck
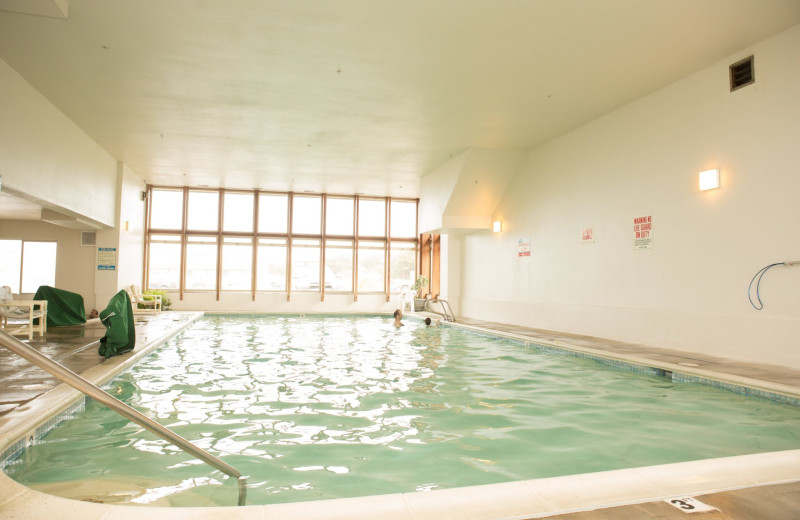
column 770, row 490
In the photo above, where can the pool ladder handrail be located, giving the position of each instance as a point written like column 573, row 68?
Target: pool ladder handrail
column 74, row 380
column 448, row 312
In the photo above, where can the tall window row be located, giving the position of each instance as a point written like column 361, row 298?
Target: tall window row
column 225, row 240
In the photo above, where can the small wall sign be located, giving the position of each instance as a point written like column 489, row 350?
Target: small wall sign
column 587, row 235
column 524, row 247
column 106, row 258
column 643, row 233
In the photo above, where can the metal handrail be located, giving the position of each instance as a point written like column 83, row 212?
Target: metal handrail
column 71, row 378
column 448, row 312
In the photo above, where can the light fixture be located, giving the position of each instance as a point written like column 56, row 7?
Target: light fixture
column 709, row 180
column 497, row 226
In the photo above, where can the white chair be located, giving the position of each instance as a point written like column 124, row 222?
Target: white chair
column 22, row 314
column 144, row 303
column 406, row 295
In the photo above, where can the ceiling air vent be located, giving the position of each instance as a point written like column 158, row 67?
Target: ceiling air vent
column 88, row 238
column 742, row 73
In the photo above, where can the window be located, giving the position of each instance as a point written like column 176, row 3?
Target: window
column 403, row 263
column 235, row 240
column 38, row 265
column 11, row 263
column 306, row 215
column 371, row 218
column 201, row 263
column 237, row 264
column 339, row 216
column 167, row 209
column 238, row 214
column 339, row 265
column 164, row 267
column 430, row 256
column 203, row 211
column 273, row 212
column 271, row 268
column 305, row 265
column 371, row 262
column 404, row 219
column 25, row 266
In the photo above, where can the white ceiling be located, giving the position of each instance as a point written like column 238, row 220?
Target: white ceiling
column 345, row 96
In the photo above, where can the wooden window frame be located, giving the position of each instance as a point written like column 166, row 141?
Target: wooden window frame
column 184, row 233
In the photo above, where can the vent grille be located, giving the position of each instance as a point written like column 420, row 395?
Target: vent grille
column 742, row 73
column 88, row 238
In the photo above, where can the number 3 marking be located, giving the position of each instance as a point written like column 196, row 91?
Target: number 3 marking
column 682, row 504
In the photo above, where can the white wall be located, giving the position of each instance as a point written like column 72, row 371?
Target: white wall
column 47, row 159
column 436, row 189
column 689, row 291
column 462, row 193
column 74, row 263
column 44, row 156
column 131, row 224
column 129, row 243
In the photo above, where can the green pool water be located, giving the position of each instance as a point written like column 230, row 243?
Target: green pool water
column 325, row 407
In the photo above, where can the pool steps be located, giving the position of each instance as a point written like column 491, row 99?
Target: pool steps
column 93, row 391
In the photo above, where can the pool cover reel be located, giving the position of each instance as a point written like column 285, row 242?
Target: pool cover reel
column 63, row 307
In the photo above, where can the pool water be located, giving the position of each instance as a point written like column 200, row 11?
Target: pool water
column 326, row 407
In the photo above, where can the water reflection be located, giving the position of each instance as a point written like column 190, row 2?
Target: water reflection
column 317, row 382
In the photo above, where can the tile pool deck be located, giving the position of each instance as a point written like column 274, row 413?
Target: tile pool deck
column 748, row 487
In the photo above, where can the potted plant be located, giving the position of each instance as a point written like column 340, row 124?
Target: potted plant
column 165, row 301
column 419, row 301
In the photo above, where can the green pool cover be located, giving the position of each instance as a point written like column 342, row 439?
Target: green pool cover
column 120, row 332
column 63, row 307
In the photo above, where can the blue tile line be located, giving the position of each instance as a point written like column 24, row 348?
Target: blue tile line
column 676, row 377
column 489, row 335
column 624, row 365
column 679, row 377
column 12, row 454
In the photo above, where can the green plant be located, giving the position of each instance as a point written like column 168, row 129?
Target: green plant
column 165, row 301
column 422, row 281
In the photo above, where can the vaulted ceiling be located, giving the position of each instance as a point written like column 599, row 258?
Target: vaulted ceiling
column 347, row 96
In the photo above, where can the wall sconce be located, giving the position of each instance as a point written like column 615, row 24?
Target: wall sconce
column 497, row 226
column 709, row 180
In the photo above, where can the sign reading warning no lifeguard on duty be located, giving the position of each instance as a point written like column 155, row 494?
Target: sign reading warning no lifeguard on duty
column 643, row 233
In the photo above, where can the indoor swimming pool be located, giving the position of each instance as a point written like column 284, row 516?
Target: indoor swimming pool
column 318, row 407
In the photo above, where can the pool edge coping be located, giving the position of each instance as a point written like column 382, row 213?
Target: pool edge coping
column 756, row 384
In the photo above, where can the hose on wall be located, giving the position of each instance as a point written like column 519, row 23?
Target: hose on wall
column 757, row 279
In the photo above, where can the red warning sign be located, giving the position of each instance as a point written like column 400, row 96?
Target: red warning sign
column 643, row 233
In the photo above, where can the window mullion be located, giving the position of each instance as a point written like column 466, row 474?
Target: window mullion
column 221, row 209
column 386, row 255
column 184, row 224
column 355, row 248
column 146, row 248
column 253, row 267
column 289, row 248
column 322, row 244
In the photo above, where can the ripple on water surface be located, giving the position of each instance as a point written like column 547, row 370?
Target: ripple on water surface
column 331, row 407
